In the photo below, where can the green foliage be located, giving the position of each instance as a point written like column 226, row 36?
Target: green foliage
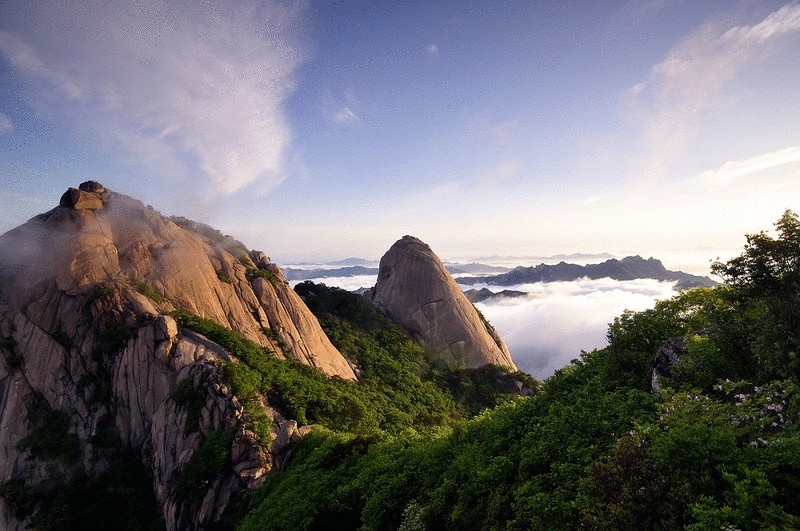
column 395, row 364
column 594, row 448
column 765, row 282
column 205, row 465
column 20, row 497
column 275, row 335
column 263, row 273
column 229, row 243
column 389, row 396
column 223, row 276
column 101, row 291
column 119, row 498
column 148, row 291
column 187, row 396
column 50, row 439
column 630, row 489
column 114, row 336
column 62, row 338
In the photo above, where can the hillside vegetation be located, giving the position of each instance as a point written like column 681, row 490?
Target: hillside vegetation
column 717, row 448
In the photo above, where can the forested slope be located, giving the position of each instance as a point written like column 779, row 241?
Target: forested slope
column 717, row 447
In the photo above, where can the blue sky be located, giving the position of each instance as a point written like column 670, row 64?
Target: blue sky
column 330, row 129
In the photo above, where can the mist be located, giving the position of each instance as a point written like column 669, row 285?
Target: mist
column 550, row 327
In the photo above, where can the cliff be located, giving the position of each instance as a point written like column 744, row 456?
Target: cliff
column 92, row 359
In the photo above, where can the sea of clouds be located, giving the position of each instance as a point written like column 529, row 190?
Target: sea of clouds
column 556, row 320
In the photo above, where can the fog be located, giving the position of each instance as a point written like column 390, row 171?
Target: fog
column 550, row 327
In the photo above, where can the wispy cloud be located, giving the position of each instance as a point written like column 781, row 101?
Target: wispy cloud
column 198, row 89
column 432, row 49
column 690, row 78
column 782, row 21
column 340, row 108
column 345, row 115
column 5, row 124
column 735, row 169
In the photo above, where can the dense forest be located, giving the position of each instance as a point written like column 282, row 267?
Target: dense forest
column 718, row 447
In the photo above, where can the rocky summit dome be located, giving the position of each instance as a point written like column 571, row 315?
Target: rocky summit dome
column 88, row 343
column 415, row 290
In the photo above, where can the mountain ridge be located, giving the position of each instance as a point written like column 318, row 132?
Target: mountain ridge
column 627, row 268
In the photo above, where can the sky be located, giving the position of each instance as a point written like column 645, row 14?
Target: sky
column 324, row 130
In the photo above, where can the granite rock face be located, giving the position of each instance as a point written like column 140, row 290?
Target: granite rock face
column 85, row 295
column 416, row 291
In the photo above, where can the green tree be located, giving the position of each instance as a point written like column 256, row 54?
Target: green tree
column 766, row 277
column 770, row 267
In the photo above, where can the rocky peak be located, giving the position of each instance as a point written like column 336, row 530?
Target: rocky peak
column 416, row 291
column 90, row 195
column 86, row 293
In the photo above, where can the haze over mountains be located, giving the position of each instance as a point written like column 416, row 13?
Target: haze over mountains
column 627, row 268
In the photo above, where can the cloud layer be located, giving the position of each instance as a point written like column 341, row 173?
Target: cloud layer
column 547, row 329
column 557, row 320
column 191, row 88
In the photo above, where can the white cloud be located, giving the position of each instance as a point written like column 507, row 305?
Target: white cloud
column 345, row 115
column 433, row 49
column 690, row 78
column 340, row 107
column 195, row 88
column 5, row 124
column 550, row 327
column 735, row 169
column 547, row 329
column 782, row 21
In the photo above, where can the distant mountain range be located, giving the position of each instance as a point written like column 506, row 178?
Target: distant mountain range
column 363, row 268
column 480, row 295
column 474, row 268
column 308, row 274
column 628, row 268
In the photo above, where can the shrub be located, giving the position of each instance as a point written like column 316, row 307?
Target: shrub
column 149, row 291
column 207, row 462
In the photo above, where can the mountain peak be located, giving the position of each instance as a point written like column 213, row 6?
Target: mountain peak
column 415, row 290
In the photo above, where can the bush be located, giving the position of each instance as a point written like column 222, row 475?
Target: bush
column 205, row 465
column 149, row 291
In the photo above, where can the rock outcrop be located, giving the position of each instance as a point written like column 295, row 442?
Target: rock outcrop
column 86, row 292
column 415, row 290
column 667, row 356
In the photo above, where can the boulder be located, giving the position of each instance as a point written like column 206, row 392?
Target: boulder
column 668, row 355
column 80, row 200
